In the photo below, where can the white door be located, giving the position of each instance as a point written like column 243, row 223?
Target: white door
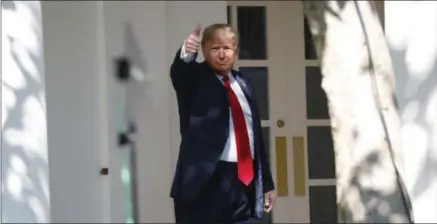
column 275, row 53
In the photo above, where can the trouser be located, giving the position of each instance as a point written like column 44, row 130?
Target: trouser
column 225, row 199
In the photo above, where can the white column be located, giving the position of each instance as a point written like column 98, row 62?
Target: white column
column 24, row 160
column 411, row 30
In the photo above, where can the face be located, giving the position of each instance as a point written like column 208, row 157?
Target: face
column 220, row 52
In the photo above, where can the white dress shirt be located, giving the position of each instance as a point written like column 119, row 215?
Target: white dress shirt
column 230, row 151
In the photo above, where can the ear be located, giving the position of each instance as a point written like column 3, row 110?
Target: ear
column 203, row 51
column 237, row 50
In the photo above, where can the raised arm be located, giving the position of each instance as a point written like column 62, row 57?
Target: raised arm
column 184, row 69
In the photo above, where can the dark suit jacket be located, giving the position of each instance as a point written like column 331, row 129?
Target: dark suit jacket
column 204, row 127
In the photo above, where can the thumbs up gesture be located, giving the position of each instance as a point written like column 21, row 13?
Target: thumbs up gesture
column 192, row 43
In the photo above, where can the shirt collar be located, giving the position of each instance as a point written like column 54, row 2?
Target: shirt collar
column 230, row 75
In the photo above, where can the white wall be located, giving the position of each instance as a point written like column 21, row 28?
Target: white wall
column 25, row 197
column 75, row 117
column 82, row 39
column 411, row 29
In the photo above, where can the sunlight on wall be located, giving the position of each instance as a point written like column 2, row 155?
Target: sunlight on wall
column 412, row 36
column 24, row 159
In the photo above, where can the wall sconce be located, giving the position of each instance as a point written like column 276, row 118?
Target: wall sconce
column 123, row 69
column 127, row 137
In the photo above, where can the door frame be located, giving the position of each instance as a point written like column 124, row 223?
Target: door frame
column 287, row 102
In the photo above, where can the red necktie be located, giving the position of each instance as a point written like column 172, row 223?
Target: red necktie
column 244, row 156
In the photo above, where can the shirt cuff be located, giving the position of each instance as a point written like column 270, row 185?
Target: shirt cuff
column 185, row 56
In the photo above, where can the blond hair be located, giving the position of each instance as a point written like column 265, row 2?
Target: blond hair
column 208, row 32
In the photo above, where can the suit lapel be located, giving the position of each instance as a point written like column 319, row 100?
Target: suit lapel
column 243, row 85
column 214, row 80
column 241, row 82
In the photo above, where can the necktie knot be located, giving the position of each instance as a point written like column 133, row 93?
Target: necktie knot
column 226, row 81
column 226, row 78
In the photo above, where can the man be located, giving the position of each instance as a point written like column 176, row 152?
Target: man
column 222, row 173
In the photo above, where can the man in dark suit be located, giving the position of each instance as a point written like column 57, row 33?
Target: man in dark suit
column 222, row 174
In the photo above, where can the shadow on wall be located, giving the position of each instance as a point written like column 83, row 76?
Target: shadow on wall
column 416, row 87
column 414, row 55
column 134, row 53
column 140, row 77
column 416, row 96
column 384, row 206
column 24, row 159
column 417, row 91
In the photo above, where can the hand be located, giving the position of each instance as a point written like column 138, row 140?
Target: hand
column 192, row 43
column 269, row 201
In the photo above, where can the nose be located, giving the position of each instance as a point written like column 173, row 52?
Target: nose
column 221, row 55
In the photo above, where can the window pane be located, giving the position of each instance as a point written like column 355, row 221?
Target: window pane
column 317, row 103
column 323, row 204
column 310, row 50
column 252, row 28
column 259, row 76
column 321, row 160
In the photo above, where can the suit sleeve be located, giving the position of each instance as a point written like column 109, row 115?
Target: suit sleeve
column 183, row 71
column 268, row 184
